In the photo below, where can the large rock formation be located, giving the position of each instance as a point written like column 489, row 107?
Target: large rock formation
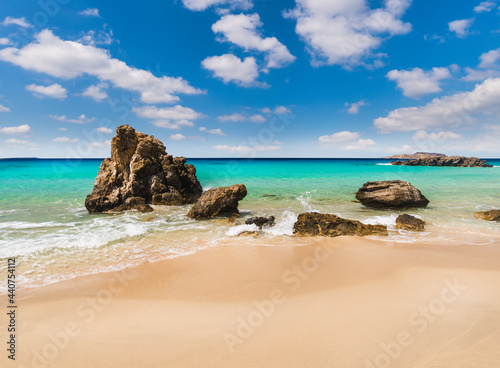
column 455, row 161
column 218, row 201
column 410, row 223
column 394, row 194
column 140, row 172
column 322, row 224
column 405, row 156
column 493, row 215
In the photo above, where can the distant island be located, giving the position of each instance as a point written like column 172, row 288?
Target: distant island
column 407, row 156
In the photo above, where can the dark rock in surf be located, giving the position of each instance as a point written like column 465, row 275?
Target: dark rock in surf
column 395, row 194
column 218, row 201
column 410, row 223
column 261, row 221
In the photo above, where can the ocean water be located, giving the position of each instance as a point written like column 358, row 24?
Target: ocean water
column 44, row 223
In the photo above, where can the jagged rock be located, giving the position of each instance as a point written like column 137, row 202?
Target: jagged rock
column 321, row 224
column 134, row 203
column 140, row 167
column 391, row 194
column 261, row 221
column 493, row 215
column 409, row 222
column 218, row 201
column 455, row 161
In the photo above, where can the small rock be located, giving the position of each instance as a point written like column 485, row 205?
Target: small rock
column 218, row 201
column 391, row 194
column 409, row 222
column 493, row 215
column 261, row 221
column 249, row 233
column 321, row 224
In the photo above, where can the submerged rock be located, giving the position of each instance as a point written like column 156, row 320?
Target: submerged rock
column 322, row 224
column 218, row 201
column 409, row 222
column 140, row 167
column 391, row 194
column 493, row 215
column 455, row 161
column 261, row 221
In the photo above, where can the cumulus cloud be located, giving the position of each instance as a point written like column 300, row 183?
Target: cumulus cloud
column 230, row 68
column 96, row 92
column 461, row 27
column 21, row 22
column 53, row 91
column 213, row 131
column 4, row 108
column 243, row 30
column 21, row 129
column 105, row 130
column 82, row 119
column 487, row 68
column 199, row 5
column 416, row 82
column 257, row 118
column 450, row 111
column 177, row 137
column 422, row 135
column 485, row 7
column 176, row 112
column 20, row 144
column 176, row 125
column 90, row 12
column 4, row 41
column 279, row 110
column 360, row 144
column 340, row 137
column 247, row 149
column 69, row 59
column 347, row 32
column 65, row 140
column 353, row 108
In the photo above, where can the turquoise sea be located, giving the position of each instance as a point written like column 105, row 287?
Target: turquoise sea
column 43, row 221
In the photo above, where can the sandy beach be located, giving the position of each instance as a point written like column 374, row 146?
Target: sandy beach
column 341, row 302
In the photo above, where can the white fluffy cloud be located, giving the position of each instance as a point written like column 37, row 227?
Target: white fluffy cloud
column 105, row 130
column 360, row 144
column 353, row 108
column 232, row 69
column 176, row 125
column 257, row 118
column 82, row 119
column 243, row 30
column 176, row 112
column 4, row 41
column 4, row 108
column 461, row 27
column 280, row 110
column 485, row 6
column 450, row 111
column 90, row 12
column 422, row 135
column 177, row 137
column 96, row 92
column 247, row 149
column 65, row 140
column 20, row 144
column 340, row 137
column 21, row 129
column 417, row 82
column 347, row 32
column 68, row 59
column 487, row 68
column 199, row 5
column 53, row 91
column 21, row 22
column 213, row 131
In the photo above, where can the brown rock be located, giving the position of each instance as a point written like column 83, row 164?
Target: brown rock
column 321, row 224
column 493, row 215
column 261, row 221
column 218, row 201
column 249, row 233
column 409, row 222
column 391, row 194
column 139, row 167
column 455, row 161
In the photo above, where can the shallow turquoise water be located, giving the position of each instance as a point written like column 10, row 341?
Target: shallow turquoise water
column 44, row 223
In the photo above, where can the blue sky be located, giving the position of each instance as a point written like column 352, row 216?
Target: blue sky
column 251, row 78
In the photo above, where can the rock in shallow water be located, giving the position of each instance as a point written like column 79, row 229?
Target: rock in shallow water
column 409, row 222
column 261, row 221
column 493, row 215
column 391, row 194
column 454, row 161
column 218, row 201
column 322, row 224
column 140, row 167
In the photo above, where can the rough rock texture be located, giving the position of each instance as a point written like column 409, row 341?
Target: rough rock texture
column 218, row 201
column 405, row 156
column 139, row 167
column 321, row 224
column 409, row 222
column 261, row 221
column 493, row 215
column 391, row 194
column 455, row 161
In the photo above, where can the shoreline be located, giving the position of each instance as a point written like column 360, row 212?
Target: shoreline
column 328, row 301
